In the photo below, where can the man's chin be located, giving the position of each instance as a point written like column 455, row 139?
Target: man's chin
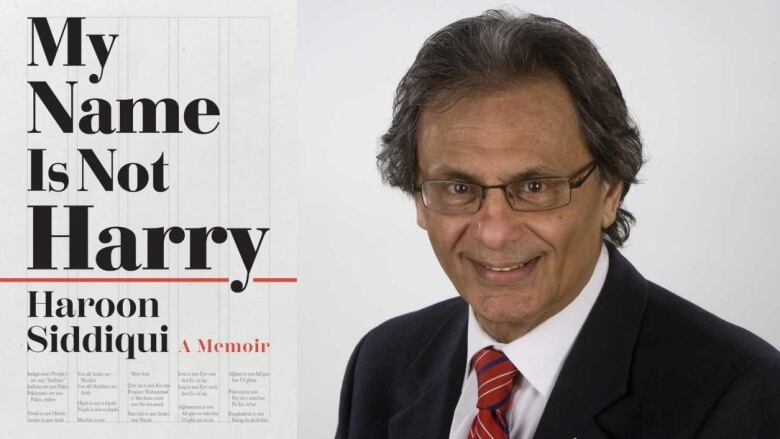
column 499, row 316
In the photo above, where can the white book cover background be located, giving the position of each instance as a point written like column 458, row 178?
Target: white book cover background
column 238, row 175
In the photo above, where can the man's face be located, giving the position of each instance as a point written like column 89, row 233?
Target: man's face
column 515, row 269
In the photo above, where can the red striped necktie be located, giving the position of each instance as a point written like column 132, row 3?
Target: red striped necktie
column 495, row 379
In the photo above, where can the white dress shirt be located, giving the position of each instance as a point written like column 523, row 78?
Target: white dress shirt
column 538, row 355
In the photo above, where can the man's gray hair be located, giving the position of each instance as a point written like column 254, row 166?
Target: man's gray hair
column 494, row 50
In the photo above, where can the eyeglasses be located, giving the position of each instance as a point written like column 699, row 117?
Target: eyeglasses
column 531, row 195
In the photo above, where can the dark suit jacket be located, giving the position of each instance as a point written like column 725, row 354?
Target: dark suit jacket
column 646, row 364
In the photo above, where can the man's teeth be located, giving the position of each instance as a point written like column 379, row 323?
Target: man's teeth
column 507, row 268
column 504, row 269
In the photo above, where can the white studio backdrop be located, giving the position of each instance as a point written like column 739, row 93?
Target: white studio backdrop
column 699, row 78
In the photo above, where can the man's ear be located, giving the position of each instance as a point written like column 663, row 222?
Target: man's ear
column 611, row 191
column 420, row 212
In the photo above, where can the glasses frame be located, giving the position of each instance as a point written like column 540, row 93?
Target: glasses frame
column 574, row 183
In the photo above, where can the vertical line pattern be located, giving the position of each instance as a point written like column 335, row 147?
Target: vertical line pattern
column 268, row 200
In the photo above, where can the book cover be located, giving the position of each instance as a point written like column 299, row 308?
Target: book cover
column 148, row 263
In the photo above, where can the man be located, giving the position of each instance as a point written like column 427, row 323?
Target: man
column 513, row 137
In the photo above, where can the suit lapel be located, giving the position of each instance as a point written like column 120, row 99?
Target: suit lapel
column 596, row 372
column 438, row 373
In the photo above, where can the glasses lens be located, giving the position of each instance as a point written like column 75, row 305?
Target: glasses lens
column 539, row 194
column 451, row 196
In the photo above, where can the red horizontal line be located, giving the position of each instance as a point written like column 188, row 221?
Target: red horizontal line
column 140, row 279
column 275, row 279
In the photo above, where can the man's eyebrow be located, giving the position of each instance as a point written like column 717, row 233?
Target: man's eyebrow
column 448, row 173
column 535, row 172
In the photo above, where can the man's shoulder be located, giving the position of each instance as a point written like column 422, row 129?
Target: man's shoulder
column 673, row 324
column 687, row 359
column 383, row 357
column 672, row 329
column 678, row 369
column 413, row 330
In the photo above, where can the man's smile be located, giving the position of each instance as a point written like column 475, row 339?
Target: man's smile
column 504, row 273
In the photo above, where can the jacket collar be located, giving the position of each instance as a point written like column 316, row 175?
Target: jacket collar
column 596, row 372
column 438, row 373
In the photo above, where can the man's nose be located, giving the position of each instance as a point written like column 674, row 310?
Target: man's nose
column 496, row 223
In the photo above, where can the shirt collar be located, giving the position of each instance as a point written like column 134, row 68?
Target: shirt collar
column 539, row 354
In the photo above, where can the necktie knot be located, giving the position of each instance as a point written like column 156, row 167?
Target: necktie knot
column 495, row 379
